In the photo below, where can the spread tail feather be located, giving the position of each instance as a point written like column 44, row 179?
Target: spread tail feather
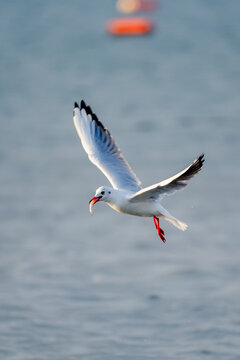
column 179, row 224
column 163, row 213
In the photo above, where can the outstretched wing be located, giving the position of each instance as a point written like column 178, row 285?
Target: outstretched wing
column 102, row 149
column 169, row 186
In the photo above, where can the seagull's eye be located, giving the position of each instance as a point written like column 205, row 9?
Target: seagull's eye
column 109, row 192
column 103, row 192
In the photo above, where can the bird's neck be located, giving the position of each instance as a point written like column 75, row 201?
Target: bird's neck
column 118, row 198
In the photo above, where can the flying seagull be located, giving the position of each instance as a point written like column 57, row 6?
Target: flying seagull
column 126, row 194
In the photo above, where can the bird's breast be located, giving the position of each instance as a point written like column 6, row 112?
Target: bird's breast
column 146, row 209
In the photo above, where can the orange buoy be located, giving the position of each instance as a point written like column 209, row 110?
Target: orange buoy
column 129, row 26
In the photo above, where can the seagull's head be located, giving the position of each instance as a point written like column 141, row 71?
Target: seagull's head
column 103, row 193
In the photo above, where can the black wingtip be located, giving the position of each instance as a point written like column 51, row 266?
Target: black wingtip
column 88, row 110
column 76, row 105
column 201, row 159
column 197, row 164
column 86, row 107
column 83, row 105
column 94, row 117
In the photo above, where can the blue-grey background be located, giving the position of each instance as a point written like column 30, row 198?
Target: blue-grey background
column 74, row 286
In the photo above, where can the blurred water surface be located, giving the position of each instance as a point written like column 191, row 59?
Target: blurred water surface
column 104, row 287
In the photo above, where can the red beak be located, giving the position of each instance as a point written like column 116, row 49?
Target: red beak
column 93, row 201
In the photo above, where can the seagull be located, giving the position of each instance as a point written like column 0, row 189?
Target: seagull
column 126, row 194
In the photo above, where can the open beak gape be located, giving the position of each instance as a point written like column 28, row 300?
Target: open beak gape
column 93, row 201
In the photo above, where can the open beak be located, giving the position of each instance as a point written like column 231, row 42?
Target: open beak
column 93, row 201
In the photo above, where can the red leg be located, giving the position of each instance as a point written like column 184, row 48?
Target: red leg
column 159, row 230
column 155, row 222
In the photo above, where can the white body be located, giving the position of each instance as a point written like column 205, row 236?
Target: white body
column 120, row 200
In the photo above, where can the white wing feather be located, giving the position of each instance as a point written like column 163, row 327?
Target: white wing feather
column 170, row 185
column 102, row 149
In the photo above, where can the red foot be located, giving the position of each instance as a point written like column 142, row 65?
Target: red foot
column 159, row 230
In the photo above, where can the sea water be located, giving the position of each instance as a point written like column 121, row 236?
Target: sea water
column 103, row 287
